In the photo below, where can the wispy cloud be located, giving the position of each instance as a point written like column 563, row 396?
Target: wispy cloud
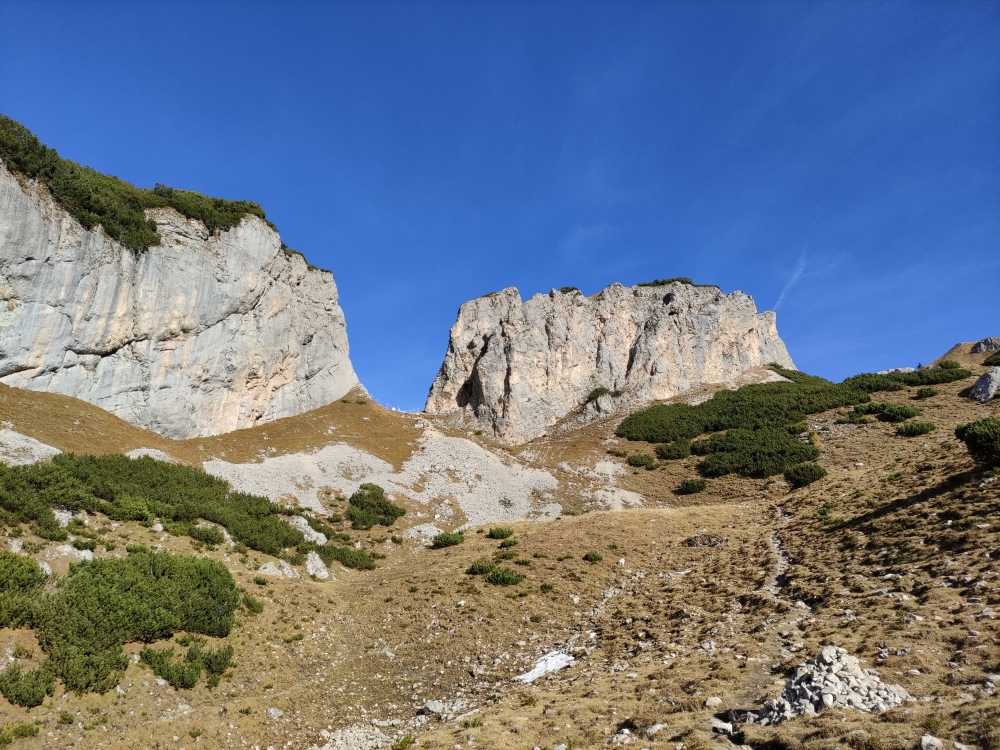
column 800, row 266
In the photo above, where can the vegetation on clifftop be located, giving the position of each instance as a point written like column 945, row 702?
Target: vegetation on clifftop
column 93, row 198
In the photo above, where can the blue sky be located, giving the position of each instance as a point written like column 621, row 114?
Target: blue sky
column 838, row 161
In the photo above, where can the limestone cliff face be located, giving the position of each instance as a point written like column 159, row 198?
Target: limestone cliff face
column 197, row 336
column 515, row 368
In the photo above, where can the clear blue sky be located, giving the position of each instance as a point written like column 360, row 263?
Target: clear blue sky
column 838, row 161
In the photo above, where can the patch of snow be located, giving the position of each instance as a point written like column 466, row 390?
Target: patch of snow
column 551, row 662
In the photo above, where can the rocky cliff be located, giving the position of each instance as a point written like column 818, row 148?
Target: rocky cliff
column 199, row 335
column 515, row 368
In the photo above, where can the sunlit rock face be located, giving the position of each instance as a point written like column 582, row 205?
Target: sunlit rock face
column 202, row 334
column 514, row 369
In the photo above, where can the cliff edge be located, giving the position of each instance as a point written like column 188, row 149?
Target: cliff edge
column 516, row 368
column 203, row 333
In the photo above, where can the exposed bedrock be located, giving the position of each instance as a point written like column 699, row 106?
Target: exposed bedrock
column 514, row 369
column 202, row 334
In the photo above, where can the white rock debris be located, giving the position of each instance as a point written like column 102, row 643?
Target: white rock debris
column 152, row 453
column 353, row 738
column 316, row 567
column 834, row 680
column 516, row 368
column 308, row 532
column 19, row 450
column 486, row 487
column 281, row 570
column 200, row 335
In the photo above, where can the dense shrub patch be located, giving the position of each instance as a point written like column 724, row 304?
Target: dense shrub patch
column 664, row 282
column 982, row 438
column 593, row 556
column 993, row 360
column 140, row 489
column 601, row 391
column 93, row 198
column 186, row 671
column 503, row 577
column 691, row 486
column 568, row 289
column 102, row 605
column 499, row 532
column 481, row 567
column 802, row 474
column 756, row 426
column 643, row 460
column 447, row 539
column 926, row 392
column 675, row 450
column 913, row 429
column 369, row 506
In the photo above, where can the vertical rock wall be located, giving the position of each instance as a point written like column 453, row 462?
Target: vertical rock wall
column 515, row 368
column 199, row 335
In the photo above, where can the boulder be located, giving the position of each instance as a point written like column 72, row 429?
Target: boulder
column 987, row 345
column 986, row 387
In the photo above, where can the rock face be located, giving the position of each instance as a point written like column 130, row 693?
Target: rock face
column 515, row 368
column 987, row 345
column 834, row 680
column 197, row 336
column 986, row 386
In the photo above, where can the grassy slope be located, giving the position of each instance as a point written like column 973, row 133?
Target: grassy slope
column 375, row 638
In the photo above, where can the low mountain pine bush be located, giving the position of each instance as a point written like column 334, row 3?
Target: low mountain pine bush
column 447, row 539
column 499, row 532
column 369, row 506
column 805, row 473
column 913, row 429
column 982, row 438
column 691, row 486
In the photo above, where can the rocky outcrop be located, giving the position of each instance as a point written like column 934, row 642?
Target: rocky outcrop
column 987, row 345
column 515, row 368
column 986, row 387
column 202, row 334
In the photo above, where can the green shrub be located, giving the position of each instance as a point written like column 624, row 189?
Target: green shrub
column 19, row 574
column 480, row 567
column 499, row 532
column 182, row 673
column 754, row 453
column 349, row 557
column 691, row 486
column 508, row 543
column 601, row 391
column 664, row 282
column 926, row 392
column 675, row 450
column 898, row 413
column 593, row 556
column 505, row 554
column 369, row 506
column 254, row 605
column 982, row 438
column 93, row 198
column 949, row 365
column 24, row 730
column 447, row 539
column 503, row 577
column 643, row 460
column 913, row 429
column 993, row 360
column 26, row 689
column 805, row 473
column 85, row 544
column 568, row 289
column 207, row 534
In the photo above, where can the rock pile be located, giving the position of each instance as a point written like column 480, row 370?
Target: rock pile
column 987, row 345
column 834, row 680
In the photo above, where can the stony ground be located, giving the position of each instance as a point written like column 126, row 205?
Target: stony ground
column 719, row 595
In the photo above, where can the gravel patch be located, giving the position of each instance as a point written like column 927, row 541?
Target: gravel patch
column 19, row 450
column 486, row 487
column 152, row 453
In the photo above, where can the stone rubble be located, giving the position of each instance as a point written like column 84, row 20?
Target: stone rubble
column 353, row 738
column 987, row 345
column 834, row 680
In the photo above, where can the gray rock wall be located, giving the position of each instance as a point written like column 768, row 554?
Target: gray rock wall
column 515, row 368
column 197, row 336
